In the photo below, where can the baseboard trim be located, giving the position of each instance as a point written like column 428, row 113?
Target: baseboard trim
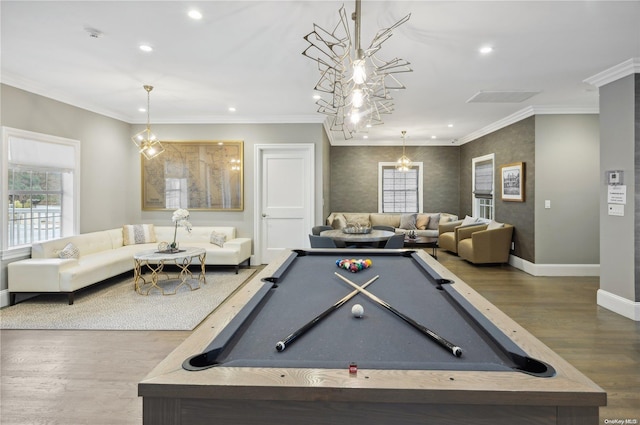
column 619, row 305
column 4, row 298
column 554, row 269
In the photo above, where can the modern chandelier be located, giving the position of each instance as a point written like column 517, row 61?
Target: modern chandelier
column 356, row 81
column 147, row 142
column 403, row 163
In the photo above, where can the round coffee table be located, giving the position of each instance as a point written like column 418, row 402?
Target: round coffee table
column 154, row 261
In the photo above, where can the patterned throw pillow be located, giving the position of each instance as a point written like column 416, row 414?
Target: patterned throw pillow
column 69, row 251
column 138, row 233
column 218, row 238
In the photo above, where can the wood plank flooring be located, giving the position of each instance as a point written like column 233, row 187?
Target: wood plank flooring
column 91, row 377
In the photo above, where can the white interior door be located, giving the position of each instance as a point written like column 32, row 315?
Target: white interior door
column 285, row 190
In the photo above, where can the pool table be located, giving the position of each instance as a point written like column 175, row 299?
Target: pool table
column 381, row 368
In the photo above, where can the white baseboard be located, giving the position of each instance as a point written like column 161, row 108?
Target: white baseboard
column 555, row 269
column 618, row 304
column 4, row 298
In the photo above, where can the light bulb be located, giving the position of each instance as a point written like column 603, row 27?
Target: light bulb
column 359, row 72
column 357, row 99
column 355, row 116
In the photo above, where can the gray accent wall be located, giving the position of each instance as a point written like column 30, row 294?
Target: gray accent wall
column 354, row 176
column 514, row 143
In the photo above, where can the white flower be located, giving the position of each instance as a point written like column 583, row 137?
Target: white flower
column 185, row 224
column 179, row 215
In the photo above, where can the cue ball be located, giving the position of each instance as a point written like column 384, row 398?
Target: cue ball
column 357, row 310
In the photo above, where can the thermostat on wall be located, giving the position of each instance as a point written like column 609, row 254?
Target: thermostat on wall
column 615, row 177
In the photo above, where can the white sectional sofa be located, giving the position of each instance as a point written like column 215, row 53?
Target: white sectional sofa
column 103, row 254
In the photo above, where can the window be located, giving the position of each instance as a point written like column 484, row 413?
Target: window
column 41, row 174
column 399, row 191
column 483, row 182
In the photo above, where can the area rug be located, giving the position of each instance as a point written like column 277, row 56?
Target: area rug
column 114, row 305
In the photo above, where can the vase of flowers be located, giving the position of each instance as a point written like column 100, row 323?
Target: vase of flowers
column 179, row 217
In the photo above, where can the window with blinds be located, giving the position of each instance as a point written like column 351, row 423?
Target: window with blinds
column 400, row 191
column 483, row 182
column 42, row 175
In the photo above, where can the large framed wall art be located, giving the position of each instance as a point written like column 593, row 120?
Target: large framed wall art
column 513, row 182
column 196, row 175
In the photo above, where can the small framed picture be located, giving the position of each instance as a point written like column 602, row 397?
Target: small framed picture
column 513, row 182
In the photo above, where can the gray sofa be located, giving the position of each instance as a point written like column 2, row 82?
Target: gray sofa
column 424, row 224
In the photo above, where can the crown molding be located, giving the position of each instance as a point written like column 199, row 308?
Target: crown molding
column 526, row 113
column 628, row 67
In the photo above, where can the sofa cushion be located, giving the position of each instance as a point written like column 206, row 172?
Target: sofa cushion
column 385, row 219
column 138, row 233
column 69, row 251
column 339, row 222
column 408, row 221
column 468, row 221
column 358, row 218
column 434, row 221
column 422, row 221
column 217, row 238
column 494, row 225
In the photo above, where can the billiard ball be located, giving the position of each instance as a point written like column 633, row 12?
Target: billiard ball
column 357, row 310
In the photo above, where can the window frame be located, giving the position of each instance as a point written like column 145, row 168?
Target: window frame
column 72, row 200
column 382, row 166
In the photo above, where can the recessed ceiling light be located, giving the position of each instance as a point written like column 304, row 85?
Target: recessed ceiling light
column 486, row 49
column 365, row 137
column 146, row 48
column 142, row 109
column 195, row 14
column 316, row 96
column 433, row 137
column 449, row 125
column 232, row 109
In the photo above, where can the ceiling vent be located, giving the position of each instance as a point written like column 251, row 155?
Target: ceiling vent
column 511, row 96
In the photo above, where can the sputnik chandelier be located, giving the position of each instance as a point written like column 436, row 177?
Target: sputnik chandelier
column 403, row 163
column 356, row 80
column 147, row 142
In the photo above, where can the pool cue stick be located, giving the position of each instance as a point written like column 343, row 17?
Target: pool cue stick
column 281, row 345
column 455, row 350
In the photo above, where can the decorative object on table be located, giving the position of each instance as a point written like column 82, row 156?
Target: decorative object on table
column 163, row 246
column 179, row 217
column 412, row 234
column 354, row 265
column 356, row 228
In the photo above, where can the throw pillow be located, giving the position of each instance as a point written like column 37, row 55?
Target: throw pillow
column 69, row 251
column 218, row 238
column 138, row 233
column 434, row 221
column 422, row 221
column 408, row 221
column 494, row 225
column 339, row 222
column 469, row 221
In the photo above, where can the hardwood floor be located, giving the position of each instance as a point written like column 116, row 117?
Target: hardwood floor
column 90, row 377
